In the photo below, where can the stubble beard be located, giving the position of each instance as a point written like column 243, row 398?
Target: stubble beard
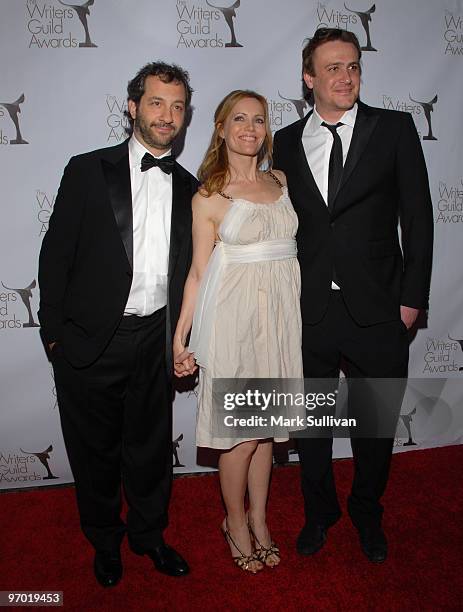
column 144, row 129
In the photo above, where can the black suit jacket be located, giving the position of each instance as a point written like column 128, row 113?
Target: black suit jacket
column 384, row 180
column 85, row 267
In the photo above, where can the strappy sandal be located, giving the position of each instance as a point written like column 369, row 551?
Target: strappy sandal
column 262, row 553
column 242, row 561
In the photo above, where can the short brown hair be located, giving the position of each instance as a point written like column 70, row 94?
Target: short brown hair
column 322, row 36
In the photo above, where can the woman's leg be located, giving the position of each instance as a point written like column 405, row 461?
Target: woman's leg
column 233, row 473
column 260, row 469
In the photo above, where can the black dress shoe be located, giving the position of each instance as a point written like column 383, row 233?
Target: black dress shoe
column 311, row 539
column 373, row 543
column 108, row 567
column 168, row 561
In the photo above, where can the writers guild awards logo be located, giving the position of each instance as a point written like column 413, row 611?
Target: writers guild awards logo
column 5, row 299
column 430, row 417
column 175, row 449
column 199, row 25
column 407, row 420
column 117, row 121
column 391, row 103
column 460, row 343
column 365, row 19
column 284, row 110
column 13, row 109
column 45, row 205
column 43, row 457
column 450, row 203
column 83, row 12
column 453, row 34
column 346, row 20
column 300, row 104
column 443, row 356
column 15, row 467
column 427, row 109
column 228, row 14
column 51, row 23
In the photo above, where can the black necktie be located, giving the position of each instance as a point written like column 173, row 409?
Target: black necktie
column 335, row 167
column 165, row 163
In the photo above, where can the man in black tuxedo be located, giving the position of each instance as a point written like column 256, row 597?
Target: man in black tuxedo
column 353, row 172
column 112, row 268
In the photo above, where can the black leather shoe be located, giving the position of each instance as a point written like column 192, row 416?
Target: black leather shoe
column 168, row 561
column 373, row 543
column 311, row 539
column 108, row 567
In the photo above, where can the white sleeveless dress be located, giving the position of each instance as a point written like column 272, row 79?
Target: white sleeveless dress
column 247, row 321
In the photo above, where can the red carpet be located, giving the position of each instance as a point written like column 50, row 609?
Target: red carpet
column 42, row 549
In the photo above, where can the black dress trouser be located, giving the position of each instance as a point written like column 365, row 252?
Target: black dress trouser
column 377, row 351
column 116, row 421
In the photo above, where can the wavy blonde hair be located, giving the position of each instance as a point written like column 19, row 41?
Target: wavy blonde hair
column 214, row 171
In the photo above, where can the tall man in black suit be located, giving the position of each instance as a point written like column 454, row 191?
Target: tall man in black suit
column 353, row 172
column 112, row 269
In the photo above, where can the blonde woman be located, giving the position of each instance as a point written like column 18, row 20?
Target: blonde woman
column 241, row 300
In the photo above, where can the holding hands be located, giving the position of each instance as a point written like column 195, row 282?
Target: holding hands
column 184, row 361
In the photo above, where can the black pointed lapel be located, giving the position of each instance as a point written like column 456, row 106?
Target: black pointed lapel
column 117, row 176
column 365, row 123
column 181, row 216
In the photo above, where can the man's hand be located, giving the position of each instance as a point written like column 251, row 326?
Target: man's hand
column 408, row 315
column 184, row 364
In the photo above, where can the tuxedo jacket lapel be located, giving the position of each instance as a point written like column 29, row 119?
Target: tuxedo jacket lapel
column 181, row 217
column 365, row 124
column 117, row 176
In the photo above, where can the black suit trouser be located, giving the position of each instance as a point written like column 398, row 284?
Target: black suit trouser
column 377, row 351
column 116, row 417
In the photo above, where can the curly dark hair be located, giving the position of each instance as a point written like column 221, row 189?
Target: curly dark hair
column 166, row 72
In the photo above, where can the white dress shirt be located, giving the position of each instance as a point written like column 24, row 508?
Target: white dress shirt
column 152, row 210
column 317, row 141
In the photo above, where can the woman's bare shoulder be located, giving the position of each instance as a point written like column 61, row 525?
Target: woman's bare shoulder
column 205, row 204
column 280, row 176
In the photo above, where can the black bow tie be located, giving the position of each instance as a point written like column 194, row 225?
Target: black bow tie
column 165, row 163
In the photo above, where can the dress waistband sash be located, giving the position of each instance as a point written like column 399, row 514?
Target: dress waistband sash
column 268, row 250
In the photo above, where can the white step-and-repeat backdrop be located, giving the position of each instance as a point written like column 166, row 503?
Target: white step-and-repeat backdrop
column 65, row 66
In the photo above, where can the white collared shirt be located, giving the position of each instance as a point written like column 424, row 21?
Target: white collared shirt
column 317, row 141
column 152, row 211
